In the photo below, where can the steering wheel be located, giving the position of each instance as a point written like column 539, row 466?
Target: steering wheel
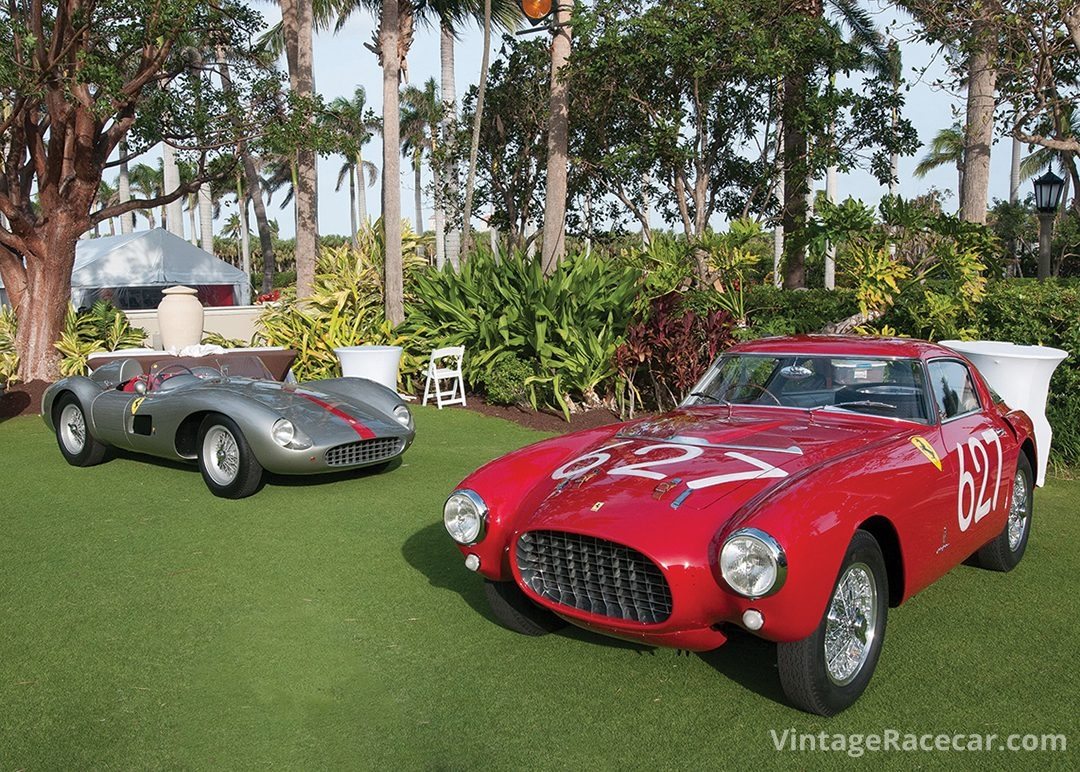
column 762, row 389
column 167, row 372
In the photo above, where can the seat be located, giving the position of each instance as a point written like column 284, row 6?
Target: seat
column 445, row 365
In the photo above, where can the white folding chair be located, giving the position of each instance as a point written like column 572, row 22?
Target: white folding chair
column 438, row 371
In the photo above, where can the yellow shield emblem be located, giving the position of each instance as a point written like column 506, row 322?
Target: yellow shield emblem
column 927, row 450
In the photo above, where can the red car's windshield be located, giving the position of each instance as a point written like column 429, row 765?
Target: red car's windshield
column 887, row 387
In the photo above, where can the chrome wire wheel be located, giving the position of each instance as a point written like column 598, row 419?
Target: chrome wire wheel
column 221, row 455
column 73, row 428
column 1018, row 511
column 851, row 624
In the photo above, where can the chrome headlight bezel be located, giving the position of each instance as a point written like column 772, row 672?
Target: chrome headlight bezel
column 403, row 416
column 286, row 434
column 763, row 546
column 471, row 499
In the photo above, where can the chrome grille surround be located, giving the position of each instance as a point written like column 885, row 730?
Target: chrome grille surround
column 364, row 451
column 594, row 575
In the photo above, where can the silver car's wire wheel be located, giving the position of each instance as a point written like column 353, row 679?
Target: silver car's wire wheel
column 1018, row 511
column 221, row 455
column 851, row 624
column 73, row 428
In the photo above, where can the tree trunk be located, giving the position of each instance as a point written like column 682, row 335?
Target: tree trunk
column 361, row 180
column 40, row 295
column 448, row 90
column 170, row 181
column 245, row 236
column 127, row 221
column 794, row 214
column 474, row 147
column 354, row 228
column 978, row 135
column 554, row 244
column 206, row 217
column 778, row 229
column 266, row 240
column 1014, row 171
column 440, row 216
column 192, row 205
column 418, row 200
column 830, row 249
column 393, row 277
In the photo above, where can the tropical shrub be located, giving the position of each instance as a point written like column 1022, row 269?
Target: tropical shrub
column 102, row 327
column 345, row 307
column 505, row 382
column 567, row 325
column 9, row 360
column 667, row 350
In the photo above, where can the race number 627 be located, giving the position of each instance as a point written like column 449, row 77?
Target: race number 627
column 973, row 502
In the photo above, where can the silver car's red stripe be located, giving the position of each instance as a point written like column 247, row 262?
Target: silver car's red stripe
column 364, row 432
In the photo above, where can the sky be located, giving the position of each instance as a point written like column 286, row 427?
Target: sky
column 342, row 63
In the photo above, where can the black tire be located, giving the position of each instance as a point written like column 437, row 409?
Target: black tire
column 77, row 445
column 516, row 612
column 229, row 468
column 1004, row 554
column 804, row 673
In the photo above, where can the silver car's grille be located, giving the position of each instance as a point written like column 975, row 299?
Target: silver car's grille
column 365, row 451
column 593, row 575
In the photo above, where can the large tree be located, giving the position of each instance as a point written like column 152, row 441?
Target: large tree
column 298, row 23
column 76, row 80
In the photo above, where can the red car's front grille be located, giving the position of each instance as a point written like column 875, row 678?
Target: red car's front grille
column 593, row 575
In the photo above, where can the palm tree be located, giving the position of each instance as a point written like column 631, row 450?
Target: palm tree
column 421, row 116
column 354, row 125
column 107, row 196
column 146, row 181
column 127, row 221
column 1065, row 160
column 793, row 100
column 946, row 149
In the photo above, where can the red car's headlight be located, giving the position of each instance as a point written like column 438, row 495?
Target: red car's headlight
column 753, row 563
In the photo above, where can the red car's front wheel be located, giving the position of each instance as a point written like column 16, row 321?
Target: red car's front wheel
column 827, row 671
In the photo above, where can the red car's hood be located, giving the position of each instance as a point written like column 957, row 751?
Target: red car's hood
column 685, row 462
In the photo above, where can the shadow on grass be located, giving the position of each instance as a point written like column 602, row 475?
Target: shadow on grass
column 277, row 480
column 748, row 661
column 431, row 552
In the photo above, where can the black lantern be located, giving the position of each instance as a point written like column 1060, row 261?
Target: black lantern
column 1048, row 190
column 537, row 11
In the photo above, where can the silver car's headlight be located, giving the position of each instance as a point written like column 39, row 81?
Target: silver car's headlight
column 753, row 563
column 465, row 516
column 403, row 416
column 285, row 434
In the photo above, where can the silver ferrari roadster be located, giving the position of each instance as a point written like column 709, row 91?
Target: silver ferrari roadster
column 231, row 418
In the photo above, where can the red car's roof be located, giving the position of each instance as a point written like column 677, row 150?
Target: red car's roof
column 844, row 345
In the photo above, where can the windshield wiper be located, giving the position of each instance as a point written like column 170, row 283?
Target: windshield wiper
column 853, row 406
column 711, row 398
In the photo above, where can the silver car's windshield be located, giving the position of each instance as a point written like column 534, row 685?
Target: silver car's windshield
column 888, row 387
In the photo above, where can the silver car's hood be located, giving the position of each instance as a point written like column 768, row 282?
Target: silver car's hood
column 324, row 417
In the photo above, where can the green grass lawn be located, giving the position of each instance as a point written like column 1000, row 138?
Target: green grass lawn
column 146, row 624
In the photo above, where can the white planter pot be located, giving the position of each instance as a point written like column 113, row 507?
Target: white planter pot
column 180, row 316
column 376, row 363
column 1021, row 375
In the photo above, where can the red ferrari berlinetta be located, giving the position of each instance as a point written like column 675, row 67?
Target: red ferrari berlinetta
column 805, row 485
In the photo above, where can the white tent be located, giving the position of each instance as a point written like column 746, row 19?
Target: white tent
column 131, row 270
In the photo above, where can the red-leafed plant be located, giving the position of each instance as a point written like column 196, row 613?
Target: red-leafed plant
column 269, row 297
column 666, row 351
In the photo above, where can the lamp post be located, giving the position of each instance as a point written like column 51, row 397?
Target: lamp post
column 1048, row 190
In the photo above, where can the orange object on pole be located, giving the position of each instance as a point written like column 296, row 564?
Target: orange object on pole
column 536, row 10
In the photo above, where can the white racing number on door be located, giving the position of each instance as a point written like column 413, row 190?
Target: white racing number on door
column 974, row 501
column 597, row 458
